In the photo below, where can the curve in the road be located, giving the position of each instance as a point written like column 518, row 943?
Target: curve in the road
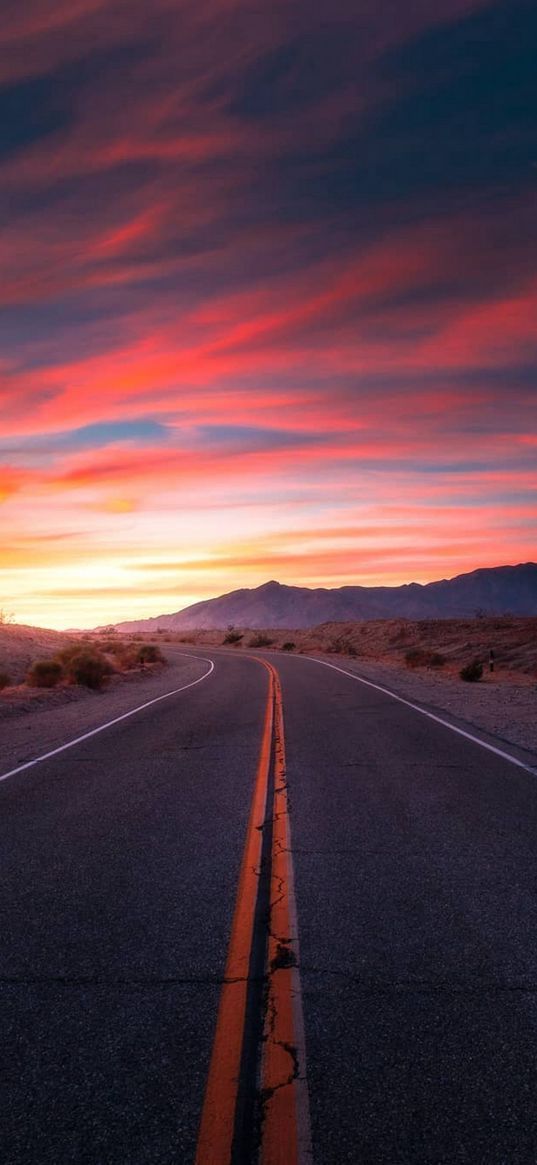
column 109, row 723
column 430, row 715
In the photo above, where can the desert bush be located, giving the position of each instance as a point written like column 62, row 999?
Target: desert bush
column 341, row 646
column 288, row 646
column 111, row 646
column 150, row 653
column 45, row 673
column 233, row 637
column 472, row 671
column 121, row 656
column 260, row 640
column 421, row 657
column 66, row 654
column 414, row 657
column 4, row 680
column 88, row 668
column 127, row 658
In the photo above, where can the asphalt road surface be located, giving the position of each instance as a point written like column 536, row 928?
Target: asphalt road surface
column 414, row 859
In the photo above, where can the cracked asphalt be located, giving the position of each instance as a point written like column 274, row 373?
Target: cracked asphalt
column 119, row 864
column 415, row 866
column 415, row 858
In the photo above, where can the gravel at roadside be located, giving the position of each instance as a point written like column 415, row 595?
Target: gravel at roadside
column 504, row 706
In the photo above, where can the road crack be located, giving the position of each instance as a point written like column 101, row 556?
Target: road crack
column 447, row 986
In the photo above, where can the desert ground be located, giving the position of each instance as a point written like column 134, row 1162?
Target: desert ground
column 20, row 646
column 420, row 660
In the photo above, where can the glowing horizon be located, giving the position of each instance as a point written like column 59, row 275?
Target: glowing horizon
column 269, row 304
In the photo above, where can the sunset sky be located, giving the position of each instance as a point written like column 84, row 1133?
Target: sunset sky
column 269, row 297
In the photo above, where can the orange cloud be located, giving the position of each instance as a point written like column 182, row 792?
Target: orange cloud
column 336, row 373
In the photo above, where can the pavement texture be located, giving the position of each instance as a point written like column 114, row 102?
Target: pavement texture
column 415, row 859
column 121, row 858
column 415, row 856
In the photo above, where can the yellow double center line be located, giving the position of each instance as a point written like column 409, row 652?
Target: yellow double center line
column 281, row 1114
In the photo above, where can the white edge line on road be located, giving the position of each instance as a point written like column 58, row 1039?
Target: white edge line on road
column 46, row 755
column 430, row 715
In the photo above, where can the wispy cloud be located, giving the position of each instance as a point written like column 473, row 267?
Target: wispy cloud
column 263, row 275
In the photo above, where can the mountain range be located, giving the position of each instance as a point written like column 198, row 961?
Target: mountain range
column 493, row 591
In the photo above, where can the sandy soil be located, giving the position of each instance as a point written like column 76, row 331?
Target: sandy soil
column 20, row 646
column 502, row 704
column 33, row 721
column 513, row 640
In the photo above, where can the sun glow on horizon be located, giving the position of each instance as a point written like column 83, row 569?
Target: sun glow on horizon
column 255, row 323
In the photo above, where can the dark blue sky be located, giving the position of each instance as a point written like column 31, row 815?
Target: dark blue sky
column 274, row 264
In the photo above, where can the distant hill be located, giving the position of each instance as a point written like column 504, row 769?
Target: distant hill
column 496, row 590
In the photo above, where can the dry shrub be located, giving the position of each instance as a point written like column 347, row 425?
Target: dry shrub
column 472, row 671
column 436, row 659
column 68, row 653
column 150, row 653
column 260, row 640
column 89, row 668
column 233, row 637
column 421, row 657
column 414, row 657
column 4, row 680
column 341, row 645
column 288, row 646
column 122, row 654
column 110, row 646
column 45, row 673
column 129, row 658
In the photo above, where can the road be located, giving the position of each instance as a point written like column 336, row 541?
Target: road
column 411, row 866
